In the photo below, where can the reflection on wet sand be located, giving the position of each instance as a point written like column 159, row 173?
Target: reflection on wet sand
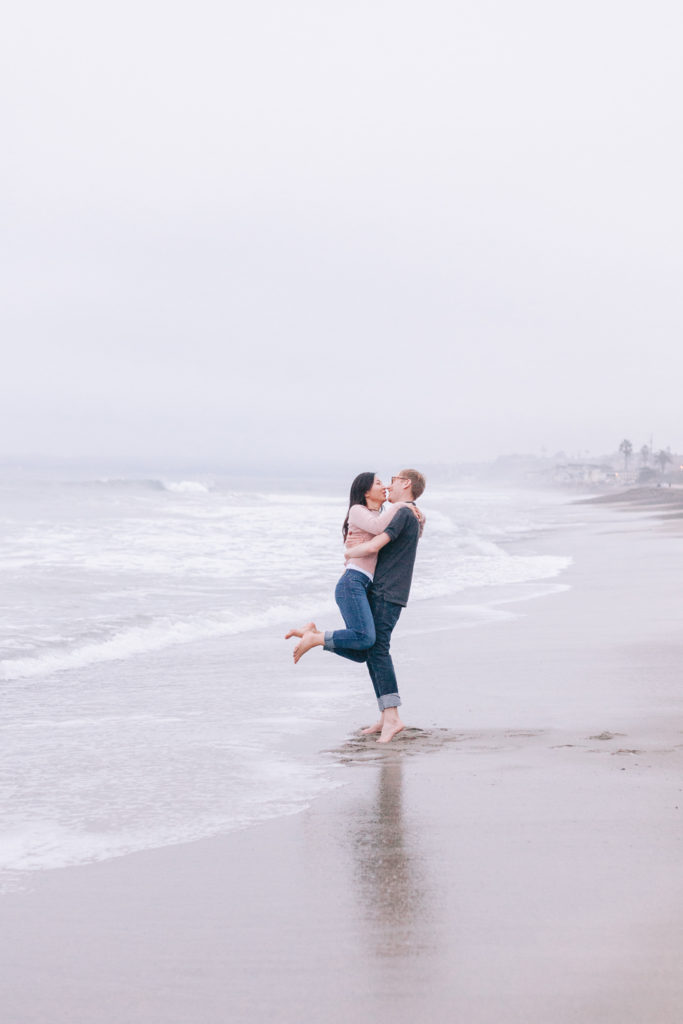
column 388, row 870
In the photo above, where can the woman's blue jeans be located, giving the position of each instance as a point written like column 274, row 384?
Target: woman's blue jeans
column 351, row 595
column 378, row 657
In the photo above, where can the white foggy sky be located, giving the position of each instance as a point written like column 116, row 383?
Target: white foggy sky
column 387, row 231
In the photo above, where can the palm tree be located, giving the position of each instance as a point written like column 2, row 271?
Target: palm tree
column 663, row 458
column 626, row 449
column 644, row 455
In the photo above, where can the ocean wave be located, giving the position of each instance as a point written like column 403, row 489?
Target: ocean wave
column 128, row 484
column 140, row 640
column 282, row 498
column 123, row 483
column 186, row 487
column 162, row 633
column 483, row 572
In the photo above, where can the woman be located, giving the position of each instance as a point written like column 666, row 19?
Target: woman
column 363, row 522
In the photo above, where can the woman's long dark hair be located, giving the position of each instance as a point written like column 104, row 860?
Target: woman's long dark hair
column 360, row 486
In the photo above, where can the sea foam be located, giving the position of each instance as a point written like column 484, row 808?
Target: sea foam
column 160, row 634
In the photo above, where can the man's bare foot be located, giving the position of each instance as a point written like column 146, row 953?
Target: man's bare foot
column 377, row 727
column 311, row 638
column 390, row 729
column 300, row 632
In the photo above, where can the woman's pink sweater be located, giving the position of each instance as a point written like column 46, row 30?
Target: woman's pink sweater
column 364, row 524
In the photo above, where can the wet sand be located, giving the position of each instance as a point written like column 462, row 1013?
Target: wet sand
column 516, row 855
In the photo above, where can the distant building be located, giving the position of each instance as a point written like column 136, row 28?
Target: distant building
column 586, row 473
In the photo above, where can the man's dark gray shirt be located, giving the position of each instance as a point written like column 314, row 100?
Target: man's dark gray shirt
column 395, row 562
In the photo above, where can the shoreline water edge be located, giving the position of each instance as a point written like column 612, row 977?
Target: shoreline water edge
column 143, row 627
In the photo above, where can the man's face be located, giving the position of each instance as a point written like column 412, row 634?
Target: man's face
column 398, row 489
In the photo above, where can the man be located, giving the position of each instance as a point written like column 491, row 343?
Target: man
column 388, row 595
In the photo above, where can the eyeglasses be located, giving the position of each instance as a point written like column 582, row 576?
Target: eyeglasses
column 398, row 478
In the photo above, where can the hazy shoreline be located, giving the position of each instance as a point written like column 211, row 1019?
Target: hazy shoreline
column 514, row 857
column 640, row 498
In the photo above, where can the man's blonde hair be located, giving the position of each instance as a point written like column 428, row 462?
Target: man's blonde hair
column 417, row 481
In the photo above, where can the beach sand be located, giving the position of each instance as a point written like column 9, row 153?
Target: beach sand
column 515, row 856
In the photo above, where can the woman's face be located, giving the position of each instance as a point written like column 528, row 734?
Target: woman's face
column 376, row 495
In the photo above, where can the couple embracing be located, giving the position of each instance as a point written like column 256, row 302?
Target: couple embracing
column 380, row 555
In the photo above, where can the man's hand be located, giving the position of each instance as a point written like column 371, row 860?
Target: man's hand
column 370, row 547
column 355, row 552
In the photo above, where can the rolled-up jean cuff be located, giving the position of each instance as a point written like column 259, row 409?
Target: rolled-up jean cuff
column 389, row 700
column 328, row 643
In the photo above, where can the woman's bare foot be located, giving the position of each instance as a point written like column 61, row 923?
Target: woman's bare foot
column 311, row 638
column 377, row 727
column 391, row 727
column 300, row 632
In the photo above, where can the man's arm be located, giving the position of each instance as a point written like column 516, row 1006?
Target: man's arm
column 366, row 520
column 395, row 527
column 370, row 547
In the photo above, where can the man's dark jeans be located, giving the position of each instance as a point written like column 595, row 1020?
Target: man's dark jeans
column 378, row 658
